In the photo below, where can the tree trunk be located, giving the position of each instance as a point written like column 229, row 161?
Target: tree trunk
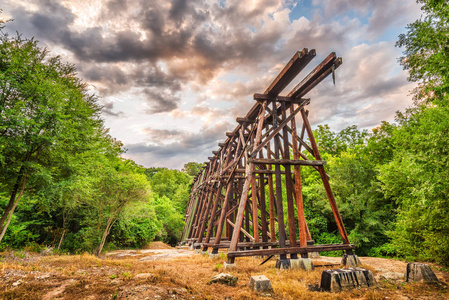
column 105, row 235
column 12, row 199
column 62, row 238
column 7, row 215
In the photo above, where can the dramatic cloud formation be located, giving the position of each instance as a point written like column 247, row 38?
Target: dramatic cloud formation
column 173, row 75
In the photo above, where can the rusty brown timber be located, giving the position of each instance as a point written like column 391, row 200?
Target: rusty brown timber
column 237, row 201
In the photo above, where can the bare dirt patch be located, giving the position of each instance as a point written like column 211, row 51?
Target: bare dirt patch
column 182, row 274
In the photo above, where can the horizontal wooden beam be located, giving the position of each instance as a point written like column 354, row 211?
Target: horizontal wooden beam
column 290, row 250
column 245, row 120
column 225, row 244
column 231, row 134
column 262, row 97
column 268, row 161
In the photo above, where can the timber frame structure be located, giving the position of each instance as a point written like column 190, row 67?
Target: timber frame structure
column 236, row 200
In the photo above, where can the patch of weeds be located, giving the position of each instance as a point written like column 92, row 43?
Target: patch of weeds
column 217, row 267
column 19, row 254
column 113, row 276
column 222, row 255
column 155, row 279
column 441, row 269
column 126, row 274
column 114, row 296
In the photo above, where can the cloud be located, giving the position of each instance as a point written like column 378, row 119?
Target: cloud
column 179, row 72
column 164, row 146
column 369, row 88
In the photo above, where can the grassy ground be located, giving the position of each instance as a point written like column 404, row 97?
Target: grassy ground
column 26, row 275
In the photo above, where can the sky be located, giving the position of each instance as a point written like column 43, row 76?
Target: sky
column 172, row 76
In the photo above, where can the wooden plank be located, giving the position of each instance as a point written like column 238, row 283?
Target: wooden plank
column 290, row 71
column 316, row 76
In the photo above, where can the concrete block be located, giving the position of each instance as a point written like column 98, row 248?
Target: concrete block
column 345, row 279
column 420, row 272
column 314, row 255
column 351, row 261
column 197, row 250
column 301, row 263
column 229, row 266
column 213, row 255
column 261, row 284
column 204, row 252
column 224, row 278
column 283, row 263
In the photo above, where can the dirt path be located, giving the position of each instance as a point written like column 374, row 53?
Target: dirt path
column 150, row 254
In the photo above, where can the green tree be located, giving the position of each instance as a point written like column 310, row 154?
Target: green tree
column 41, row 103
column 192, row 168
column 417, row 176
column 119, row 184
column 426, row 51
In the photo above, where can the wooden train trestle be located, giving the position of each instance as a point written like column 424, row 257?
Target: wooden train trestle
column 236, row 200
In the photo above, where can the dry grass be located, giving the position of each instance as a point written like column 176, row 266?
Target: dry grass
column 89, row 277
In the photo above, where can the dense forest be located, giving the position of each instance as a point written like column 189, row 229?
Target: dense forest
column 64, row 184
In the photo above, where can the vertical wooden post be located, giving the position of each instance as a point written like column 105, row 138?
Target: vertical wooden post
column 229, row 193
column 263, row 210
column 271, row 199
column 246, row 186
column 330, row 195
column 277, row 174
column 298, row 189
column 289, row 187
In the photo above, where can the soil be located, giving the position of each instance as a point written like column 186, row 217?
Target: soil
column 180, row 273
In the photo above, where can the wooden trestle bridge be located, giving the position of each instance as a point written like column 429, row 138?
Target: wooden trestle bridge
column 237, row 198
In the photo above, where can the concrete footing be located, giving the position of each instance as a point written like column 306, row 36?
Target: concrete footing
column 283, row 263
column 260, row 284
column 419, row 272
column 204, row 252
column 229, row 266
column 301, row 263
column 351, row 261
column 213, row 255
column 298, row 263
column 345, row 279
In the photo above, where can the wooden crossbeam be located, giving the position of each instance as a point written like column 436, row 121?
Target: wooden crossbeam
column 266, row 161
column 290, row 250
